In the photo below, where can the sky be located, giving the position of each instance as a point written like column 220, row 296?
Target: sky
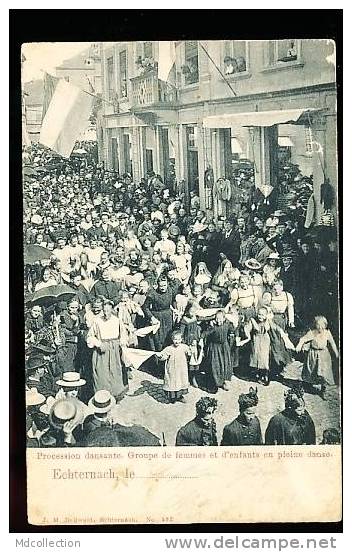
column 45, row 56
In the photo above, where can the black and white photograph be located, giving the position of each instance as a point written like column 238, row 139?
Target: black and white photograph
column 181, row 244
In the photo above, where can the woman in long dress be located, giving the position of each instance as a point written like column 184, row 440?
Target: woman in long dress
column 269, row 346
column 281, row 304
column 218, row 353
column 157, row 308
column 317, row 369
column 104, row 338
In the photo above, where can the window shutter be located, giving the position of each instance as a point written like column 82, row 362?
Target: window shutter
column 271, row 52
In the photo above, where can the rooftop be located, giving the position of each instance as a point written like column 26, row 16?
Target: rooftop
column 34, row 92
column 83, row 60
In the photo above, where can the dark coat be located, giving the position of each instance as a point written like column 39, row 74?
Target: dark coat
column 46, row 385
column 95, row 232
column 289, row 278
column 196, row 434
column 240, row 432
column 286, row 428
column 230, row 246
column 109, row 290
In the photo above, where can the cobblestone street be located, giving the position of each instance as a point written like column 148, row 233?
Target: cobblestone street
column 145, row 404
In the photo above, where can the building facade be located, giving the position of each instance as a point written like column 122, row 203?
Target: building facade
column 225, row 101
column 33, row 96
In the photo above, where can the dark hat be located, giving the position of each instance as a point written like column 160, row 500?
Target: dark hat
column 44, row 347
column 248, row 400
column 34, row 362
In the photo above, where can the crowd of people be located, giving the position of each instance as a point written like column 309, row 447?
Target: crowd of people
column 122, row 274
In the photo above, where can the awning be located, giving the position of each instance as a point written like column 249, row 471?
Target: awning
column 259, row 118
column 285, row 141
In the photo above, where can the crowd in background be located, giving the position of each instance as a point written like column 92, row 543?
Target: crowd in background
column 140, row 266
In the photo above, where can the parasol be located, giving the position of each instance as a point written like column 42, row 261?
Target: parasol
column 51, row 295
column 34, row 253
column 121, row 436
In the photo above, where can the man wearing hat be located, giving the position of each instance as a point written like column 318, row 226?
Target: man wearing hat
column 101, row 404
column 39, row 376
column 69, row 387
column 66, row 418
column 36, row 423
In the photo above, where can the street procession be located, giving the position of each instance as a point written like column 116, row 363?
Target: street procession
column 180, row 238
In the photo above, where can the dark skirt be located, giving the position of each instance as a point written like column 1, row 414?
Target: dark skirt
column 158, row 341
column 66, row 356
column 281, row 320
column 219, row 363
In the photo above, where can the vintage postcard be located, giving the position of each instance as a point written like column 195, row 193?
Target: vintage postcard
column 180, row 228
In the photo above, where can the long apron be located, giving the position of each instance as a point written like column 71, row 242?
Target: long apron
column 108, row 370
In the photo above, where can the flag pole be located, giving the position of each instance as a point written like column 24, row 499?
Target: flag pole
column 218, row 69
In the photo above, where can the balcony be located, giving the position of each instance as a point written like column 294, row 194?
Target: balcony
column 150, row 94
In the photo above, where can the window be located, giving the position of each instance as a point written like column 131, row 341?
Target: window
column 235, row 58
column 283, row 51
column 123, row 73
column 192, row 135
column 33, row 116
column 110, row 77
column 309, row 140
column 191, row 69
column 148, row 50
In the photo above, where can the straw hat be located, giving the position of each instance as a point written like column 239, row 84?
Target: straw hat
column 71, row 379
column 65, row 410
column 279, row 213
column 102, row 402
column 45, row 408
column 253, row 264
column 275, row 256
column 33, row 398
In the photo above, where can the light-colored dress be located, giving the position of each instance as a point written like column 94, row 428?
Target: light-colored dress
column 260, row 349
column 176, row 367
column 318, row 364
column 183, row 266
column 107, row 372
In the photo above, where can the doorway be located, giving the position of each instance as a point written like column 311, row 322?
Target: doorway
column 127, row 154
column 192, row 159
column 114, row 155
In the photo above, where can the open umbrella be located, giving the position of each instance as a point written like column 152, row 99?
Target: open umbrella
column 121, row 436
column 34, row 253
column 51, row 295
